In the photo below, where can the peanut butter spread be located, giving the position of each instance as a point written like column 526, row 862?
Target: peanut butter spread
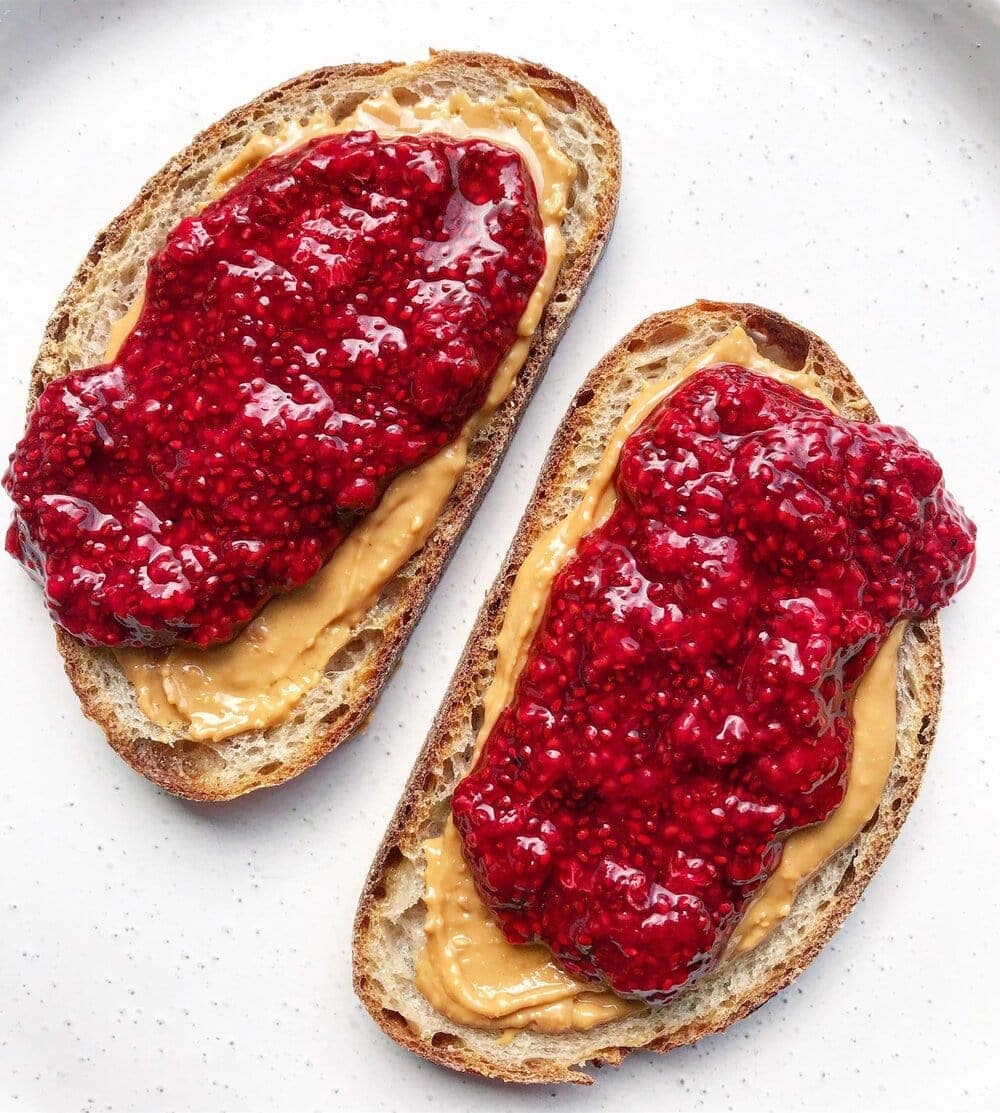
column 467, row 969
column 871, row 760
column 252, row 681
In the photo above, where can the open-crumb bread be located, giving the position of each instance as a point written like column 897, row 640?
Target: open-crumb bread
column 389, row 928
column 113, row 274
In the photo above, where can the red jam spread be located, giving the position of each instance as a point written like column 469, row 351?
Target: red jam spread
column 332, row 320
column 687, row 697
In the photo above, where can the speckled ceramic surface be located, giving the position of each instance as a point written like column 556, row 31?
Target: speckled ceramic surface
column 838, row 162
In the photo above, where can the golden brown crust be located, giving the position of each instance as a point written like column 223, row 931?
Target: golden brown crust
column 191, row 769
column 793, row 346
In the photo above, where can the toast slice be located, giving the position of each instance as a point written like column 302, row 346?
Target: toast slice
column 113, row 274
column 389, row 929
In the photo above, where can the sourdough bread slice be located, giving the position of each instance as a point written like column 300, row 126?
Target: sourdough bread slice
column 114, row 273
column 389, row 929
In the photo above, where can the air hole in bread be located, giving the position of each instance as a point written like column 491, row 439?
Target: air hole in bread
column 790, row 350
column 129, row 274
column 847, row 880
column 871, row 822
column 346, row 105
column 186, row 183
column 583, row 398
column 393, row 590
column 897, row 804
column 476, row 719
column 562, row 99
column 270, row 767
column 336, row 714
column 664, row 333
column 394, row 1019
column 199, row 753
column 919, row 633
column 350, row 655
column 404, row 96
column 392, row 861
column 445, row 773
column 446, row 1039
column 582, row 177
column 925, row 723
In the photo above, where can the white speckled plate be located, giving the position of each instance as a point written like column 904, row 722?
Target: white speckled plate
column 838, row 162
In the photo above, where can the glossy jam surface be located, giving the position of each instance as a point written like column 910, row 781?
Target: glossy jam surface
column 332, row 320
column 686, row 699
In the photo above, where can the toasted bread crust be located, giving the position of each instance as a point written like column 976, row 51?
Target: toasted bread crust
column 919, row 697
column 194, row 770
